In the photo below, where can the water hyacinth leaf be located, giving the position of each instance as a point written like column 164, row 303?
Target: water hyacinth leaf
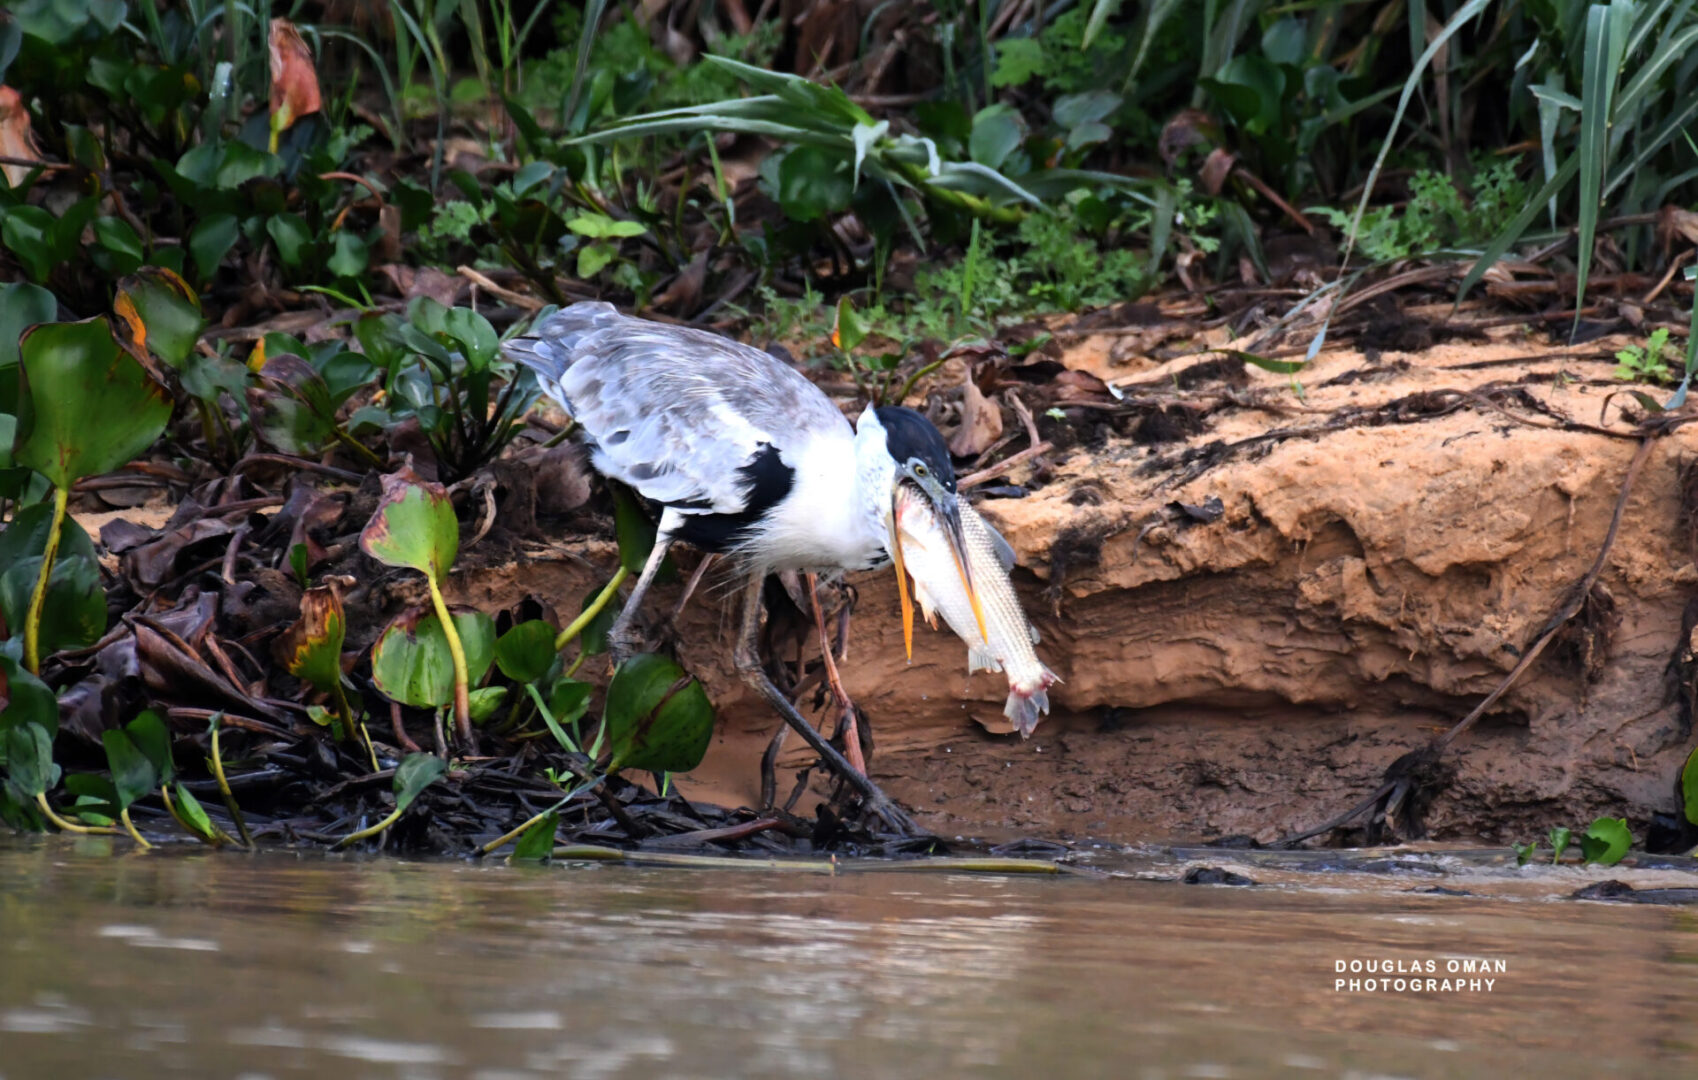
column 633, row 529
column 210, row 240
column 22, row 305
column 28, row 700
column 657, row 717
column 161, row 314
column 414, row 526
column 194, row 813
column 290, row 406
column 133, row 775
column 312, row 647
column 153, row 739
column 485, row 702
column 537, row 843
column 30, row 770
column 415, row 773
column 1606, row 841
column 292, row 237
column 411, row 662
column 27, row 233
column 95, row 800
column 526, row 652
column 1559, row 839
column 72, row 372
column 74, row 614
column 569, row 700
column 1524, row 853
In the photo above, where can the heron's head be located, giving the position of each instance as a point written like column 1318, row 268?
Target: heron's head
column 918, row 458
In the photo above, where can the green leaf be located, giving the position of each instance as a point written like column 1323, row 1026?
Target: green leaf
column 813, row 182
column 411, row 662
column 161, row 313
column 1018, row 61
column 72, row 374
column 657, row 717
column 634, row 530
column 312, row 647
column 1559, row 838
column 299, row 559
column 526, row 652
column 850, row 329
column 484, row 702
column 414, row 526
column 119, row 240
column 193, row 812
column 96, row 799
column 153, row 739
column 1524, row 853
column 997, row 132
column 415, row 773
column 290, row 405
column 21, row 306
column 1606, row 841
column 569, row 700
column 27, row 231
column 74, row 613
column 537, row 843
column 593, row 258
column 29, row 759
column 348, row 255
column 29, row 701
column 1689, row 786
column 133, row 775
column 210, row 240
column 292, row 237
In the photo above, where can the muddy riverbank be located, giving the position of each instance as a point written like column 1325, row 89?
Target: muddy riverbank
column 1259, row 600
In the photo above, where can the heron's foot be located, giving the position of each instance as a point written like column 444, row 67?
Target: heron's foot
column 624, row 643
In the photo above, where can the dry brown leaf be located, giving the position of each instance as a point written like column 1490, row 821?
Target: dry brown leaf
column 16, row 139
column 981, row 422
column 294, row 79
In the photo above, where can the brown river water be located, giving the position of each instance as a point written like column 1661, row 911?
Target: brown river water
column 180, row 962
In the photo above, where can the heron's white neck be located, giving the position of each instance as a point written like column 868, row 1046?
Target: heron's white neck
column 835, row 515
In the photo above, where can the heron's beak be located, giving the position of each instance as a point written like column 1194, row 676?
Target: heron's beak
column 894, row 527
column 947, row 509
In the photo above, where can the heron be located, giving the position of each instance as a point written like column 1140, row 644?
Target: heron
column 742, row 456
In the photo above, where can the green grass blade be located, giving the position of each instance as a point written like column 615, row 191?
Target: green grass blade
column 1100, row 12
column 1457, row 21
column 593, row 11
column 1606, row 38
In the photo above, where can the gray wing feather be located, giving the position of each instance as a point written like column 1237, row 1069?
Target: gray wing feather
column 674, row 412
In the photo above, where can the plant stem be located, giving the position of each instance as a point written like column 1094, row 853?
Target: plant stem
column 601, row 601
column 130, row 827
column 354, row 838
column 224, row 790
column 462, row 681
column 38, row 599
column 214, row 840
column 70, row 826
column 514, row 834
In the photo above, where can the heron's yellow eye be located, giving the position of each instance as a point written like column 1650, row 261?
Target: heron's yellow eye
column 919, row 469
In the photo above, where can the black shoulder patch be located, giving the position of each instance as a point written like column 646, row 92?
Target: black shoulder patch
column 907, row 434
column 768, row 481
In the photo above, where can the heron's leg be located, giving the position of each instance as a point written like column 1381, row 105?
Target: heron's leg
column 748, row 661
column 690, row 587
column 623, row 639
column 851, row 716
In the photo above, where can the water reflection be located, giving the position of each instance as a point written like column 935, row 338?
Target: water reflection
column 179, row 963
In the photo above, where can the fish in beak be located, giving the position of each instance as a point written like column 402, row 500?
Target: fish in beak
column 946, row 507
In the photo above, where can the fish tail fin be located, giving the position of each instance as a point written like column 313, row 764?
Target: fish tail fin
column 1024, row 707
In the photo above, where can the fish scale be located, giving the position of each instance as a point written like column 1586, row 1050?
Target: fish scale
column 938, row 589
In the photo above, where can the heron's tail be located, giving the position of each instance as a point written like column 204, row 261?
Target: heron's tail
column 554, row 344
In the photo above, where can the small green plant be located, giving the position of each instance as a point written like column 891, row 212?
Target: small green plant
column 1605, row 843
column 1656, row 361
column 1437, row 216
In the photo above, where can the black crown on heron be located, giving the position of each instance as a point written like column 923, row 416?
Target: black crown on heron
column 745, row 457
